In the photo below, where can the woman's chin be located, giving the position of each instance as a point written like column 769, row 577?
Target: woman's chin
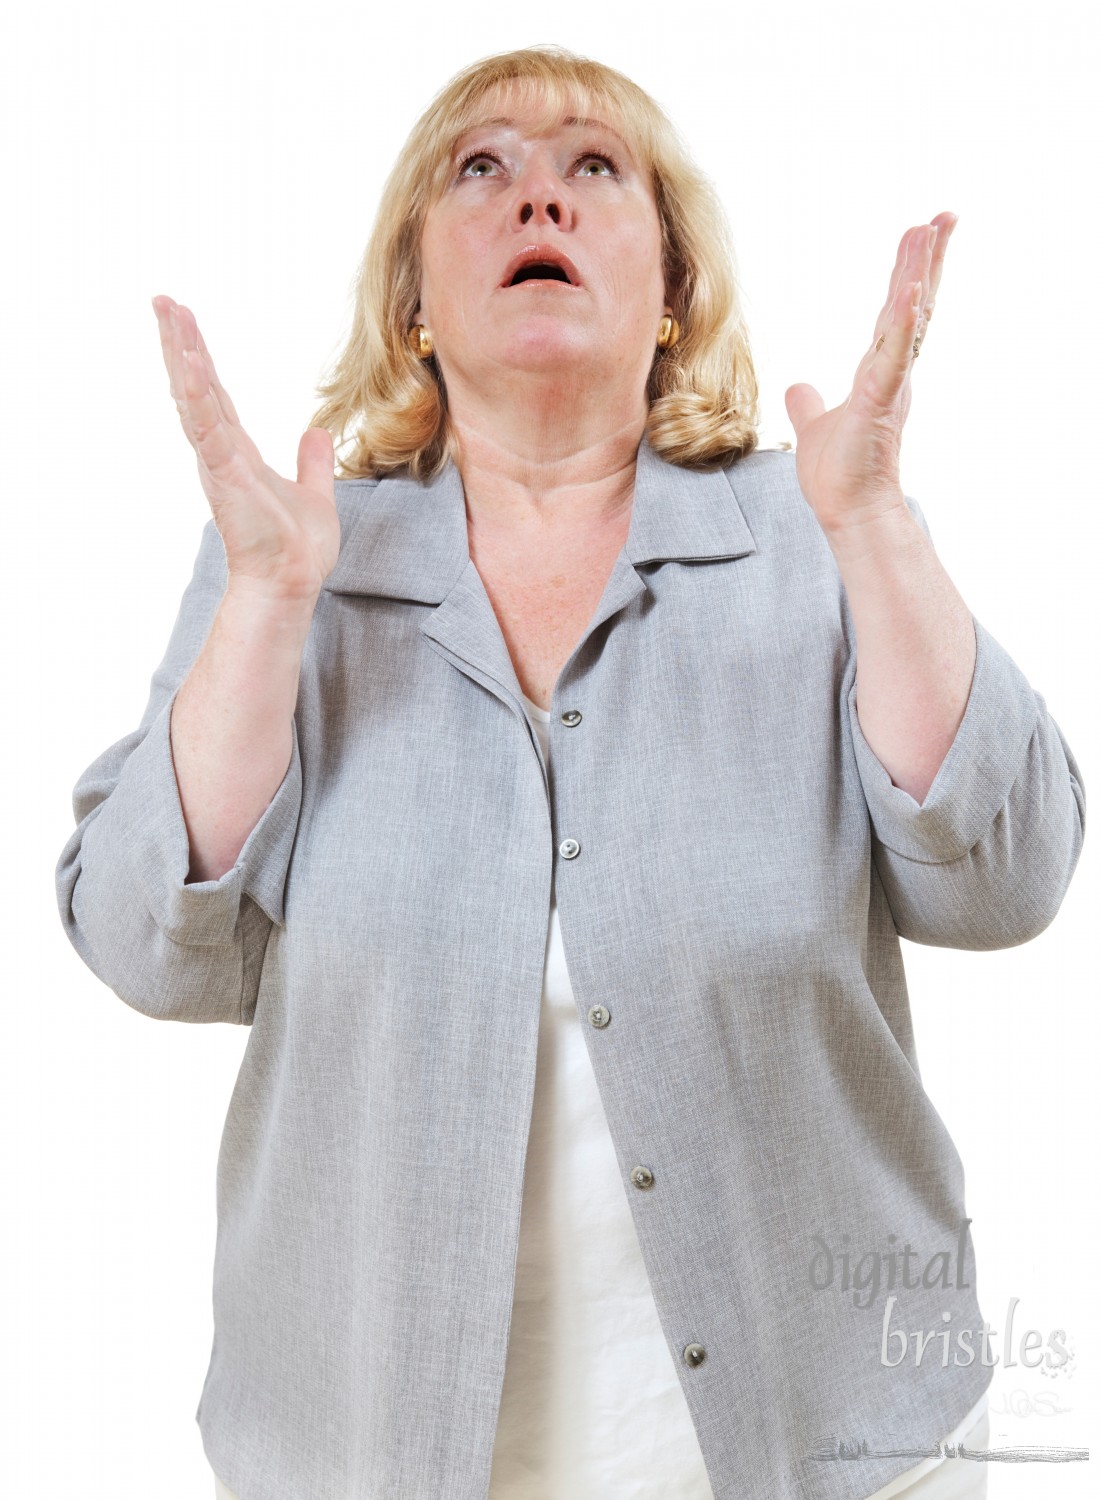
column 544, row 346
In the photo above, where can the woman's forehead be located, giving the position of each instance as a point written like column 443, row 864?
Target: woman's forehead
column 536, row 106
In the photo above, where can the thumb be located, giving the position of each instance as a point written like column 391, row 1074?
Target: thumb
column 316, row 459
column 804, row 404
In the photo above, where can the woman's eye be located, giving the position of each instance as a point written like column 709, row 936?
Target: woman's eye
column 474, row 165
column 600, row 161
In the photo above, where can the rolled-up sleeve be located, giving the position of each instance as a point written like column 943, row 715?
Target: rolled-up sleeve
column 173, row 950
column 985, row 860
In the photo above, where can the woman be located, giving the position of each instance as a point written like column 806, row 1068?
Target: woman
column 561, row 639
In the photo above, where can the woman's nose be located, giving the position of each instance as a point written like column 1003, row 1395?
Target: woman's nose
column 540, row 210
column 540, row 199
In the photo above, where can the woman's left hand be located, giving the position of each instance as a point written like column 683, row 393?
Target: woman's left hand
column 847, row 459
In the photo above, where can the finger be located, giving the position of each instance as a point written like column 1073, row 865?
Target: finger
column 921, row 268
column 883, row 317
column 898, row 274
column 175, row 339
column 945, row 223
column 214, row 443
column 901, row 258
column 926, row 264
column 922, row 250
column 904, row 271
column 895, row 347
column 228, row 408
column 167, row 325
column 216, row 446
column 219, row 395
column 929, row 249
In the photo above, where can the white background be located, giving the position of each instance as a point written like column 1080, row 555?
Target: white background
column 231, row 157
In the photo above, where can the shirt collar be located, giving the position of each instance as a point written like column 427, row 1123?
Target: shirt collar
column 407, row 538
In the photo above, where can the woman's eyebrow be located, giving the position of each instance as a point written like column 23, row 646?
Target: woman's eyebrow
column 581, row 120
column 593, row 124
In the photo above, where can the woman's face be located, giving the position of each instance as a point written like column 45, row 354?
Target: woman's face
column 579, row 194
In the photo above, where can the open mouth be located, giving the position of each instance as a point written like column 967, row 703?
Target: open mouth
column 540, row 272
column 545, row 264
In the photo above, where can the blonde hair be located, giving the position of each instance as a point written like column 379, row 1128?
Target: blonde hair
column 391, row 406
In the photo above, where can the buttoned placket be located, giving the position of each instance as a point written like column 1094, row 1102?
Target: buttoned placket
column 600, row 1017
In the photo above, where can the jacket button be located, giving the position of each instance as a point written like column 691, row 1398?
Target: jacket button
column 571, row 717
column 598, row 1016
column 694, row 1354
column 642, row 1177
column 569, row 848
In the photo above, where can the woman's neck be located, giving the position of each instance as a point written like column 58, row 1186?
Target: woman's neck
column 521, row 473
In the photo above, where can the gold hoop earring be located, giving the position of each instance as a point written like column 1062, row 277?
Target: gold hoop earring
column 420, row 341
column 668, row 332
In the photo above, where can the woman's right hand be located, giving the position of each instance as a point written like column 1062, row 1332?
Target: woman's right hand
column 281, row 538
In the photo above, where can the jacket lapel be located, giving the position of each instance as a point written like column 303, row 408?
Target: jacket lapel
column 407, row 539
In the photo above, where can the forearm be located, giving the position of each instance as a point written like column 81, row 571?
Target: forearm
column 230, row 729
column 915, row 645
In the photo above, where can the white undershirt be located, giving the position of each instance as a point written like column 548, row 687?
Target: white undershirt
column 592, row 1404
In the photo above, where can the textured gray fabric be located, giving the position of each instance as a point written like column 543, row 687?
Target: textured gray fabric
column 745, row 868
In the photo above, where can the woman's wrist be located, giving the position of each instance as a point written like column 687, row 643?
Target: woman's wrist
column 254, row 606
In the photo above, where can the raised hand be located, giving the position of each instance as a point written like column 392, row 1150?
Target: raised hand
column 847, row 459
column 281, row 538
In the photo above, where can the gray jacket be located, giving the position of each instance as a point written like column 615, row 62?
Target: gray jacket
column 733, row 869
